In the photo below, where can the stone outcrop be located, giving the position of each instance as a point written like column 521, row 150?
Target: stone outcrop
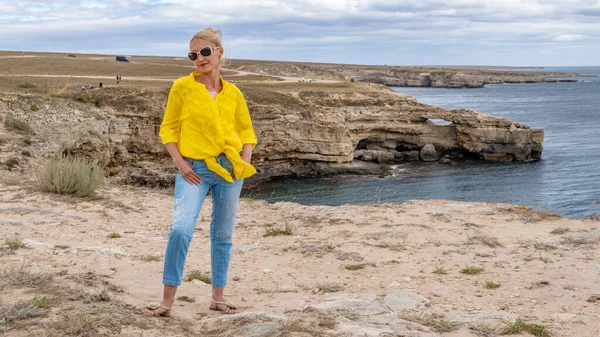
column 347, row 129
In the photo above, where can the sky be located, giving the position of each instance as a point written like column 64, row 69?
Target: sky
column 391, row 32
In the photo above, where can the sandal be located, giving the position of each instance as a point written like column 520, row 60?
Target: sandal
column 224, row 307
column 154, row 310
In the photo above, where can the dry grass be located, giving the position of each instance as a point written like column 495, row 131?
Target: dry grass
column 22, row 277
column 472, row 270
column 491, row 285
column 328, row 287
column 437, row 323
column 559, row 231
column 485, row 240
column 197, row 275
column 17, row 125
column 72, row 176
column 15, row 243
column 277, row 231
column 582, row 239
column 519, row 326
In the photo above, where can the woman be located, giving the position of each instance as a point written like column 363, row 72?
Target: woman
column 205, row 127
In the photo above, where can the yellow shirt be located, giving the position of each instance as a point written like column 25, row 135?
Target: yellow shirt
column 204, row 127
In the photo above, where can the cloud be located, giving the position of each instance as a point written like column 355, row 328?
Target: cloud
column 344, row 31
column 568, row 37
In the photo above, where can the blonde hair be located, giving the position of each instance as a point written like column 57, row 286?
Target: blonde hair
column 209, row 34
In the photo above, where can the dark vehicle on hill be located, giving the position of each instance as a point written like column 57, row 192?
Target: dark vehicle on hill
column 123, row 58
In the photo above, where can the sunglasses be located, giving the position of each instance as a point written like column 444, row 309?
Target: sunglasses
column 205, row 51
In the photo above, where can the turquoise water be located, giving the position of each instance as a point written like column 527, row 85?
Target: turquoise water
column 565, row 181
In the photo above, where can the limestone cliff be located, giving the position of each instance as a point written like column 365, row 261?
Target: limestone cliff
column 303, row 131
column 447, row 77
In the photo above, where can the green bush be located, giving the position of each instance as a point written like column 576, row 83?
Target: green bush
column 74, row 176
column 34, row 107
column 72, row 55
column 83, row 99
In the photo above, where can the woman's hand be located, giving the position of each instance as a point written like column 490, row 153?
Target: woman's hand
column 187, row 172
column 247, row 153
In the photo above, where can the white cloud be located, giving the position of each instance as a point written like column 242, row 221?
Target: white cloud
column 396, row 31
column 568, row 37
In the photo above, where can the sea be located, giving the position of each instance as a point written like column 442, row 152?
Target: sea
column 566, row 181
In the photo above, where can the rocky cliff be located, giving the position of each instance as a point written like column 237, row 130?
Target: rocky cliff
column 466, row 77
column 303, row 131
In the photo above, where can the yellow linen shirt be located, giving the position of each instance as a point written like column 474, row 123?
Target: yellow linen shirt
column 204, row 127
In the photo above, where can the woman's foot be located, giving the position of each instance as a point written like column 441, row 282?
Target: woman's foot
column 159, row 310
column 223, row 306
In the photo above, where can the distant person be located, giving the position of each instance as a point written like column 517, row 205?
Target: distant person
column 117, row 79
column 83, row 88
column 100, row 85
column 91, row 86
column 206, row 149
column 381, row 86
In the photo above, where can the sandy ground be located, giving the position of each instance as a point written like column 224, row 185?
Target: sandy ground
column 545, row 278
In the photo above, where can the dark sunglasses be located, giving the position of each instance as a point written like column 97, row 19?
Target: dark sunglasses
column 205, row 51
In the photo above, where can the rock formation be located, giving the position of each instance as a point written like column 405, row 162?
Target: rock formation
column 337, row 129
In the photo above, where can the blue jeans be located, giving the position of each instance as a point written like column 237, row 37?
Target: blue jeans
column 188, row 202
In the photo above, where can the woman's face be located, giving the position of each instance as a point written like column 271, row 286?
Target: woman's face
column 206, row 64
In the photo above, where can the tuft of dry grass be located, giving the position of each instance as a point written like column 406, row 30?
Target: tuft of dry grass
column 491, row 285
column 17, row 125
column 19, row 276
column 519, row 326
column 18, row 311
column 198, row 275
column 436, row 322
column 353, row 267
column 72, row 176
column 186, row 298
column 149, row 258
column 328, row 287
column 114, row 235
column 582, row 239
column 277, row 231
column 486, row 240
column 440, row 271
column 559, row 231
column 472, row 270
column 15, row 243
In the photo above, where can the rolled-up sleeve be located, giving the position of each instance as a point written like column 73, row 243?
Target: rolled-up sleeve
column 243, row 123
column 170, row 129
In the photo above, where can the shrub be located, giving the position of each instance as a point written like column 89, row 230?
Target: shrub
column 99, row 102
column 15, row 243
column 17, row 125
column 11, row 162
column 82, row 99
column 72, row 55
column 26, row 153
column 27, row 141
column 26, row 85
column 34, row 107
column 74, row 176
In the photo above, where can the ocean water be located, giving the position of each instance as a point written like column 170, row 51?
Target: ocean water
column 566, row 181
